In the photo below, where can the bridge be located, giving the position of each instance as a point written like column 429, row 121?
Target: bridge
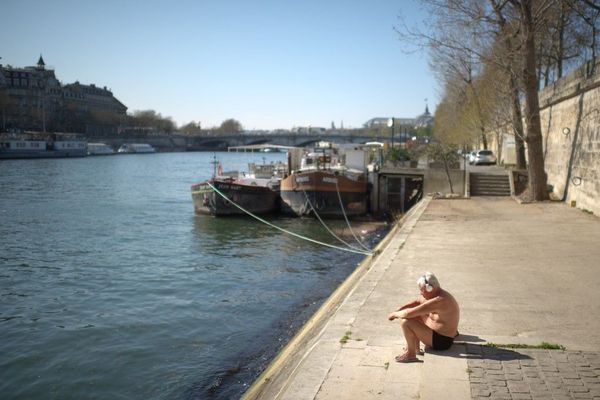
column 295, row 140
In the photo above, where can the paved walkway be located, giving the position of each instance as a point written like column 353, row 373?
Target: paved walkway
column 521, row 273
column 533, row 374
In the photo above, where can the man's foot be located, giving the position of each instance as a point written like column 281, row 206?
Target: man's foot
column 419, row 352
column 406, row 358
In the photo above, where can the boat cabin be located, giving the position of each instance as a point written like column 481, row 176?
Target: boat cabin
column 23, row 145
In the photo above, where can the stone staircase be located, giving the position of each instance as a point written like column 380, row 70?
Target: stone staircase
column 482, row 184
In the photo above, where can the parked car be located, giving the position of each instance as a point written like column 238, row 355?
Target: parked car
column 483, row 157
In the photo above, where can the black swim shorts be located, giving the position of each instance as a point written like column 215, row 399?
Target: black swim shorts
column 441, row 342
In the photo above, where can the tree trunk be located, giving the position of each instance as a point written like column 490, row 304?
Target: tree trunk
column 517, row 117
column 447, row 168
column 594, row 30
column 561, row 41
column 499, row 145
column 535, row 152
column 484, row 138
column 479, row 115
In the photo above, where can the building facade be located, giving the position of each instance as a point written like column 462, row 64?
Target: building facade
column 424, row 120
column 32, row 98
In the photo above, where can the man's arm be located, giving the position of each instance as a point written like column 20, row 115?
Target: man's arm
column 410, row 304
column 421, row 309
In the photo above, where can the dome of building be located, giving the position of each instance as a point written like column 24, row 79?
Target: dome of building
column 424, row 120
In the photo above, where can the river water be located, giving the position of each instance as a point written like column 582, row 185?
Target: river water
column 111, row 287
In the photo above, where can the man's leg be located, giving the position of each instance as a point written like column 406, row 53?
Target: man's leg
column 415, row 331
column 418, row 342
column 418, row 347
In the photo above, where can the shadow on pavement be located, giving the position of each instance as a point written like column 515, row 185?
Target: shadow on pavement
column 468, row 338
column 482, row 352
column 472, row 351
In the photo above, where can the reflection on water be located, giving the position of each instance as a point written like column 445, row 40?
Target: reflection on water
column 110, row 286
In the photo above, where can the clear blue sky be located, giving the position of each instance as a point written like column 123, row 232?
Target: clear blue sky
column 269, row 64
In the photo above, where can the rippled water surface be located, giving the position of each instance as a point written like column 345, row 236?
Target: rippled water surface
column 111, row 287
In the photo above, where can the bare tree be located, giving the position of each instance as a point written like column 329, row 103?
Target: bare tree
column 526, row 16
column 506, row 45
column 475, row 27
column 526, row 42
column 585, row 28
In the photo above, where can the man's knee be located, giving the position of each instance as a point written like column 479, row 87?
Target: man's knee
column 408, row 323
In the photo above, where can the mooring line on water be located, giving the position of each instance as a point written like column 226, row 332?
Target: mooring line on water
column 326, row 227
column 346, row 218
column 285, row 230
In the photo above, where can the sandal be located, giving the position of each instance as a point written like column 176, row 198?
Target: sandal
column 403, row 358
column 419, row 352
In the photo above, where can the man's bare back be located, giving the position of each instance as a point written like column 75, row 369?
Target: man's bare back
column 445, row 316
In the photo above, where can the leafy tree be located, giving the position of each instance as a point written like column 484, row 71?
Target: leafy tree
column 191, row 128
column 230, row 127
column 399, row 154
column 424, row 131
column 146, row 118
column 445, row 153
column 151, row 119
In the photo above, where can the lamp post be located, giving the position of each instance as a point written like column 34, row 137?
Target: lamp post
column 390, row 124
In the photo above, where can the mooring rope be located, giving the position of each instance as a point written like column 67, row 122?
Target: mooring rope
column 326, row 227
column 285, row 230
column 346, row 218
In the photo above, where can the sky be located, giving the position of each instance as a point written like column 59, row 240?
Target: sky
column 270, row 64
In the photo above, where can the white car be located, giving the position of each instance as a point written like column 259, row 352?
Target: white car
column 482, row 157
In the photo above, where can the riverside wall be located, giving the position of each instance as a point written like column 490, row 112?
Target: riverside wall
column 570, row 119
column 570, row 116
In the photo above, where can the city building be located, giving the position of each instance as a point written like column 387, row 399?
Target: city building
column 383, row 121
column 32, row 98
column 424, row 120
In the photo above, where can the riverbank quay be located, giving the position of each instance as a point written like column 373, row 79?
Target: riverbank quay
column 523, row 274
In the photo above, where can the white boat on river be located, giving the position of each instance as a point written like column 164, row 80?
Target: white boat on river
column 17, row 147
column 99, row 149
column 136, row 148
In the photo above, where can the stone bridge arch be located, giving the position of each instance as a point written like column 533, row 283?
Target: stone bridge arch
column 209, row 144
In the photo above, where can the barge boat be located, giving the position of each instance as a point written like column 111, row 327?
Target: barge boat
column 255, row 193
column 35, row 147
column 325, row 183
column 258, row 196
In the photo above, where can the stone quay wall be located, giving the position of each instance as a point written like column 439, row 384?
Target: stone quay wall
column 570, row 116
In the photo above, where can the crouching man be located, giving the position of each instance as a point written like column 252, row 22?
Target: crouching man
column 431, row 319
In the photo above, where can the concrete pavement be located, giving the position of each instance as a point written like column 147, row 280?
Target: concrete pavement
column 521, row 274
